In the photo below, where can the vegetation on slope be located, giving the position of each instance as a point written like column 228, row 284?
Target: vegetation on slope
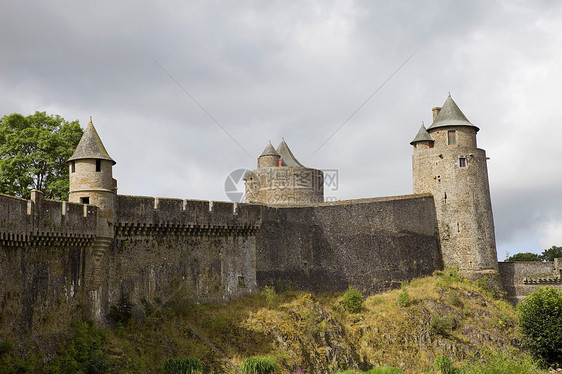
column 441, row 316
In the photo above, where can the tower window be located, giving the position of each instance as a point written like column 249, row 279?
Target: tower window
column 431, row 144
column 451, row 137
column 462, row 162
column 98, row 165
column 85, row 200
column 72, row 167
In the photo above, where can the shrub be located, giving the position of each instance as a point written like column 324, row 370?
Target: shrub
column 404, row 297
column 122, row 311
column 540, row 324
column 455, row 300
column 441, row 325
column 497, row 362
column 352, row 300
column 444, row 365
column 5, row 347
column 183, row 365
column 271, row 297
column 375, row 370
column 260, row 365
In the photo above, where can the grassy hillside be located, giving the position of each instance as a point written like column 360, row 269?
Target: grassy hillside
column 439, row 315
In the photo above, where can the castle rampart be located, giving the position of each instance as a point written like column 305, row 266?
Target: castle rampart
column 520, row 279
column 372, row 244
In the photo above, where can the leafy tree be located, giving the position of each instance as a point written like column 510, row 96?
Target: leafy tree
column 33, row 154
column 527, row 256
column 551, row 253
column 540, row 324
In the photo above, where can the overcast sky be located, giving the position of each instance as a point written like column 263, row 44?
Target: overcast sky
column 183, row 93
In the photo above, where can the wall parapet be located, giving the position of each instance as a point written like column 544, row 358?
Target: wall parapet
column 45, row 222
column 140, row 215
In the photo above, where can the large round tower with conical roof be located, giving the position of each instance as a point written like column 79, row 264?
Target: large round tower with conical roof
column 91, row 179
column 448, row 164
column 281, row 179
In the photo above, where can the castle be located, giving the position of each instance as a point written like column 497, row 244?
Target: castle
column 61, row 258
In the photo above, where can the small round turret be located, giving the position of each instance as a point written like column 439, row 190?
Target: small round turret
column 90, row 173
column 269, row 157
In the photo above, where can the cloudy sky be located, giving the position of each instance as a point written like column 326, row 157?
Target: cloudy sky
column 183, row 92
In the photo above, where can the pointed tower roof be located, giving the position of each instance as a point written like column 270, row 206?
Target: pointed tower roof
column 422, row 136
column 287, row 156
column 269, row 151
column 90, row 146
column 450, row 115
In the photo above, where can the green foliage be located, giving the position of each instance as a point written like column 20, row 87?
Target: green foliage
column 498, row 362
column 527, row 256
column 404, row 297
column 5, row 347
column 441, row 325
column 448, row 277
column 184, row 365
column 83, row 353
column 33, row 154
column 547, row 255
column 271, row 297
column 455, row 300
column 122, row 311
column 352, row 300
column 551, row 253
column 444, row 365
column 260, row 365
column 540, row 324
column 375, row 370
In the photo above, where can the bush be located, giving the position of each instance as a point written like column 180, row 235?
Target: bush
column 122, row 312
column 404, row 297
column 441, row 325
column 497, row 362
column 540, row 324
column 260, row 365
column 375, row 370
column 352, row 300
column 183, row 365
column 444, row 365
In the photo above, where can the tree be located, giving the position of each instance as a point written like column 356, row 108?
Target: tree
column 33, row 154
column 540, row 324
column 524, row 257
column 551, row 253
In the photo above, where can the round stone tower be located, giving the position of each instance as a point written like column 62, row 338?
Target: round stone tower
column 91, row 180
column 281, row 180
column 448, row 164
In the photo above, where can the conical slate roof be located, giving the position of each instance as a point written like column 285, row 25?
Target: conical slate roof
column 269, row 151
column 450, row 115
column 90, row 146
column 423, row 136
column 287, row 156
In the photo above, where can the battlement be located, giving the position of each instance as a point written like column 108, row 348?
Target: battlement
column 44, row 222
column 134, row 213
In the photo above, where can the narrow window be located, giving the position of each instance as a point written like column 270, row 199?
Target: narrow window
column 98, row 165
column 72, row 167
column 430, row 144
column 85, row 200
column 452, row 137
column 462, row 162
column 241, row 282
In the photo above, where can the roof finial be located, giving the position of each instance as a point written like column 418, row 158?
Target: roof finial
column 449, row 93
column 91, row 121
column 423, row 124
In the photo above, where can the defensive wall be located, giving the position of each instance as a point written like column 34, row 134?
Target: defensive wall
column 520, row 279
column 54, row 265
column 371, row 244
